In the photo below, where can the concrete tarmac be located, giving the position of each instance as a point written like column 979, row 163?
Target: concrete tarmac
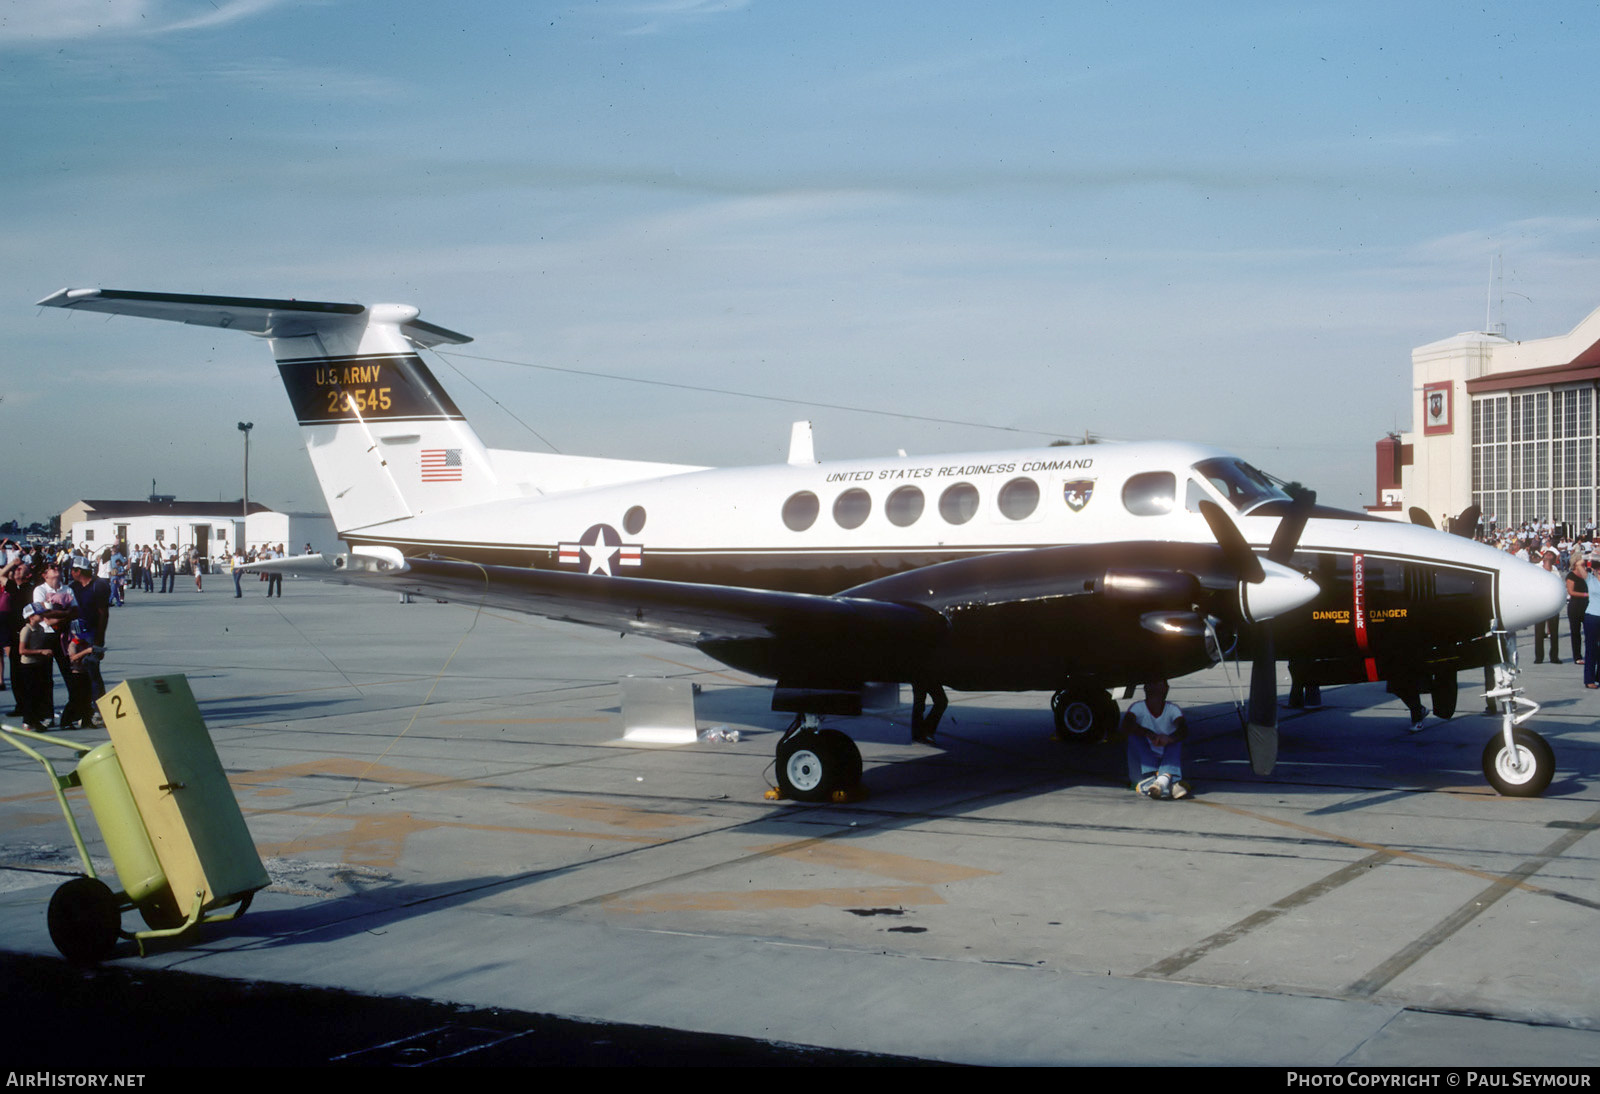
column 447, row 813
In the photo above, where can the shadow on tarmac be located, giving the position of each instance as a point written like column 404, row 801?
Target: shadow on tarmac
column 72, row 1019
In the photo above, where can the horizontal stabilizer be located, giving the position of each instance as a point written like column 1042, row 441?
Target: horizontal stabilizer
column 294, row 565
column 250, row 314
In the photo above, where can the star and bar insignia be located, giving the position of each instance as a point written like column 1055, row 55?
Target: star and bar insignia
column 600, row 550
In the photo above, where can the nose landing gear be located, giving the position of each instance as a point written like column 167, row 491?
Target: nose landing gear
column 1517, row 762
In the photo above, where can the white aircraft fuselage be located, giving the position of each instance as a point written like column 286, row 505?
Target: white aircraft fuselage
column 1039, row 568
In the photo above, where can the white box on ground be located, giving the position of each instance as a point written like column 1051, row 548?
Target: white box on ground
column 658, row 711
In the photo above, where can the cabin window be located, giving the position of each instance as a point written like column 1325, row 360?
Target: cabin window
column 1019, row 498
column 851, row 508
column 1151, row 494
column 904, row 506
column 800, row 511
column 959, row 503
column 633, row 520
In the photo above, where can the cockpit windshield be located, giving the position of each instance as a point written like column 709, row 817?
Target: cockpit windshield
column 1243, row 486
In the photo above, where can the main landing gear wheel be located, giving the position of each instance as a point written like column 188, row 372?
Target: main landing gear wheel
column 1521, row 774
column 1083, row 715
column 812, row 764
column 84, row 920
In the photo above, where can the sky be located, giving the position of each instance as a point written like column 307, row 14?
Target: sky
column 1227, row 223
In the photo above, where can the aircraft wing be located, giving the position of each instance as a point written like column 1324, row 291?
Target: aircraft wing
column 798, row 636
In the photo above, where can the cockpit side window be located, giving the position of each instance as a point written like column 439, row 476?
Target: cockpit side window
column 1151, row 494
column 1243, row 486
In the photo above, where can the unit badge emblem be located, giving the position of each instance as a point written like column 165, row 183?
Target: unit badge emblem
column 1077, row 493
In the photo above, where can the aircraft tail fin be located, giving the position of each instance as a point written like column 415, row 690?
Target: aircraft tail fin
column 387, row 442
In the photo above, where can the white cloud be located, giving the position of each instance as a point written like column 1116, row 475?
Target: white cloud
column 663, row 15
column 27, row 21
column 284, row 77
column 33, row 21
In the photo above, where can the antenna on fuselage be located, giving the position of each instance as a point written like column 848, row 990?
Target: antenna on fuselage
column 802, row 449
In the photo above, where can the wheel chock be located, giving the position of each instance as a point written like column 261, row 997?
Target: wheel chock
column 838, row 797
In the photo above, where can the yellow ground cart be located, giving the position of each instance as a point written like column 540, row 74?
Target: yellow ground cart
column 170, row 822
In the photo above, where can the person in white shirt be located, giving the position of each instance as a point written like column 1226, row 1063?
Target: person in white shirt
column 56, row 601
column 1156, row 730
column 274, row 579
column 169, row 568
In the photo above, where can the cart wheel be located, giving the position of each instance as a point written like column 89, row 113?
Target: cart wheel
column 84, row 920
column 161, row 912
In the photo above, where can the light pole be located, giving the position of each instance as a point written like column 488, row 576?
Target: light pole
column 245, row 428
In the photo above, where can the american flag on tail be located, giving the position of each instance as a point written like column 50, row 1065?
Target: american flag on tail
column 441, row 465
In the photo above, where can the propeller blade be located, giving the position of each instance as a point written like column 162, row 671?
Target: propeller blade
column 1290, row 528
column 1234, row 548
column 1420, row 516
column 1261, row 722
column 1467, row 523
column 1261, row 728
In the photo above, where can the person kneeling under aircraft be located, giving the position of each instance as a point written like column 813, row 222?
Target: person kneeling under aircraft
column 1405, row 684
column 1156, row 729
column 923, row 726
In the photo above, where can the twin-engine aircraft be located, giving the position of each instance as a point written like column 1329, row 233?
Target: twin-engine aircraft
column 1071, row 570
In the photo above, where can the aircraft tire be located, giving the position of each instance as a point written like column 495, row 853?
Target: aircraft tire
column 1499, row 769
column 1079, row 714
column 849, row 757
column 811, row 766
column 84, row 920
column 1444, row 693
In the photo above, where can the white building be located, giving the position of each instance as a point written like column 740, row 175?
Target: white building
column 1506, row 426
column 213, row 528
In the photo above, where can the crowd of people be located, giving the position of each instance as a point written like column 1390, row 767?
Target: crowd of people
column 55, row 604
column 1576, row 557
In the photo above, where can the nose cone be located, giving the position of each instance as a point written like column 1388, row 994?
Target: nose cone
column 1281, row 590
column 1529, row 594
